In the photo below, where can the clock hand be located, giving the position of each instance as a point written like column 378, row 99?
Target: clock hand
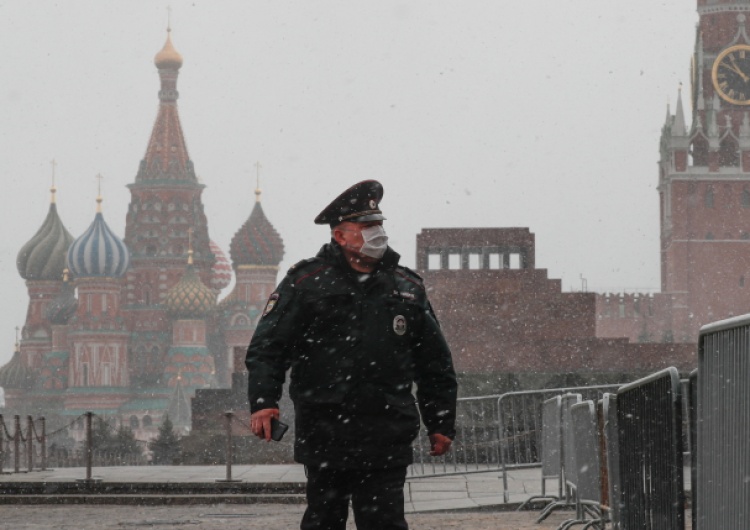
column 736, row 68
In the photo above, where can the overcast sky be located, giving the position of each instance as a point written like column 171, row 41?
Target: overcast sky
column 471, row 113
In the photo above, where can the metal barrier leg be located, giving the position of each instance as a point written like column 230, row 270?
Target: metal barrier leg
column 228, row 426
column 2, row 444
column 89, row 451
column 17, row 444
column 29, row 444
column 43, row 423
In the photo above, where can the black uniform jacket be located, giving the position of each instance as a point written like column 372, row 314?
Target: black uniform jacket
column 354, row 348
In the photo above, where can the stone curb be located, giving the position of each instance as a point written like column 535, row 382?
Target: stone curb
column 152, row 500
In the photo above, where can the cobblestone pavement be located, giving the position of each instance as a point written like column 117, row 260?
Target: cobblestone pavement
column 230, row 517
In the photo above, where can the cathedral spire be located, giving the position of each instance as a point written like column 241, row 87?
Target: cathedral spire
column 167, row 157
column 257, row 181
column 678, row 128
column 53, row 189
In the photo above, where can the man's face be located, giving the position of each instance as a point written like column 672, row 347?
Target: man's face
column 349, row 237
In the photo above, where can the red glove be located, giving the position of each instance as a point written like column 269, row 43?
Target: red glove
column 440, row 444
column 260, row 423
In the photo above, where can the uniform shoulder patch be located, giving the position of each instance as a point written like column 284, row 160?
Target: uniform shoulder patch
column 272, row 301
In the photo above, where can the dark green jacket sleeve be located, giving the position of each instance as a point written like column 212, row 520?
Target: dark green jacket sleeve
column 435, row 377
column 270, row 351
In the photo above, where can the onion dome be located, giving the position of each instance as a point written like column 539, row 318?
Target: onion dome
column 15, row 374
column 64, row 305
column 98, row 252
column 221, row 272
column 168, row 57
column 43, row 257
column 190, row 298
column 257, row 242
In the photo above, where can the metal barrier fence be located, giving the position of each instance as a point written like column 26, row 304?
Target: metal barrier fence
column 31, row 445
column 693, row 420
column 649, row 420
column 477, row 445
column 723, row 426
column 568, row 474
column 494, row 433
column 588, row 469
column 551, row 444
column 612, row 451
column 570, row 469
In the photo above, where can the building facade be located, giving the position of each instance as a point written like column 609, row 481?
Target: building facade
column 130, row 328
column 704, row 194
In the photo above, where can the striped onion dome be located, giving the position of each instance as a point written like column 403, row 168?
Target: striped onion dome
column 15, row 374
column 221, row 272
column 43, row 257
column 257, row 242
column 98, row 252
column 190, row 297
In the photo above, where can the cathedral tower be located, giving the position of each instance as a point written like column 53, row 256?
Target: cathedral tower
column 704, row 177
column 98, row 377
column 41, row 262
column 165, row 205
column 256, row 251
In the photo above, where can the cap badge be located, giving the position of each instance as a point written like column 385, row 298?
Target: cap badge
column 272, row 301
column 399, row 325
column 373, row 204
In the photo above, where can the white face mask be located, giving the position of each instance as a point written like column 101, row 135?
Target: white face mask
column 375, row 241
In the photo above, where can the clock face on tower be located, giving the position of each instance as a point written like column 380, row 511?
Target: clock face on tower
column 731, row 74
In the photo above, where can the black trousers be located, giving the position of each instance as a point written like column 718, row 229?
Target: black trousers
column 377, row 499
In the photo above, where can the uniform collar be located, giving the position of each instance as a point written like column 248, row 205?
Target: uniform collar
column 331, row 253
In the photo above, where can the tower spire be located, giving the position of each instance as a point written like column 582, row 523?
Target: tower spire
column 166, row 154
column 53, row 189
column 190, row 246
column 257, row 181
column 679, row 128
column 99, row 199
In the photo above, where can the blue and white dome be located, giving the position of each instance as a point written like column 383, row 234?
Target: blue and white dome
column 98, row 252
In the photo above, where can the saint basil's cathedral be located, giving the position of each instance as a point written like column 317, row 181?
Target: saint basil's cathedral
column 129, row 328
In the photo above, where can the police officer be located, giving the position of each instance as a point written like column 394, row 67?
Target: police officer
column 357, row 331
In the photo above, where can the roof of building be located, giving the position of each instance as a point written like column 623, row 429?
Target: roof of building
column 15, row 374
column 221, row 271
column 167, row 156
column 98, row 252
column 257, row 242
column 43, row 256
column 190, row 297
column 168, row 56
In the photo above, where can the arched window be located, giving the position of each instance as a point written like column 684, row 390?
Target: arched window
column 729, row 152
column 147, row 421
column 134, row 423
column 699, row 151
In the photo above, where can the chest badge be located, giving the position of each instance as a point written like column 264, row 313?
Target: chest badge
column 399, row 325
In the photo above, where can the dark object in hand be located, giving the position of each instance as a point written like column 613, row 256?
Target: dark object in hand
column 278, row 429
